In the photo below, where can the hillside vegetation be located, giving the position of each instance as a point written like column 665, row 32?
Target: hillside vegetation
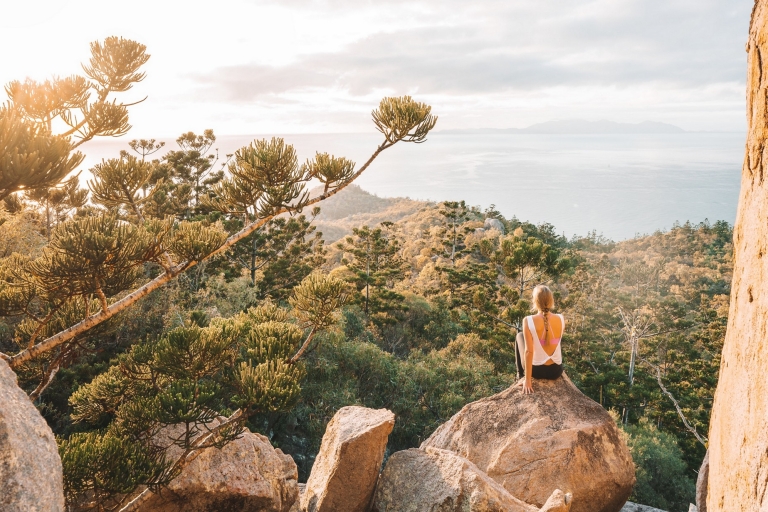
column 434, row 301
column 354, row 207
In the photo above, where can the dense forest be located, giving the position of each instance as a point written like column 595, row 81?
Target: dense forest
column 432, row 308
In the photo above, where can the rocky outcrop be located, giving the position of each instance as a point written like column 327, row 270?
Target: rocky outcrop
column 247, row 474
column 343, row 477
column 738, row 439
column 494, row 224
column 701, row 485
column 556, row 438
column 30, row 467
column 435, row 480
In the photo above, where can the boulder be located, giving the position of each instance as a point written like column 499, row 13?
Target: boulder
column 30, row 467
column 343, row 477
column 701, row 485
column 247, row 474
column 635, row 507
column 494, row 224
column 435, row 480
column 555, row 438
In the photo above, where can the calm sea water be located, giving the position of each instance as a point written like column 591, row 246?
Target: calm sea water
column 617, row 185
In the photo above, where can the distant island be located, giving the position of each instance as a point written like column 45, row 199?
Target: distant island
column 584, row 127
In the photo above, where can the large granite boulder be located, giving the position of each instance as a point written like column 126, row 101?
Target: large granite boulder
column 30, row 467
column 435, row 480
column 343, row 477
column 555, row 438
column 246, row 475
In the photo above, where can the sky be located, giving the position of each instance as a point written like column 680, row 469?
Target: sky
column 321, row 66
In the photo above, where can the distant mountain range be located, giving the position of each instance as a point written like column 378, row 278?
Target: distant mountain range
column 583, row 127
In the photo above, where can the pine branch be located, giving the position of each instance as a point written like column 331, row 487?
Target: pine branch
column 303, row 346
column 164, row 278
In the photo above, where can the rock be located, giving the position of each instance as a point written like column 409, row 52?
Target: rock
column 692, row 508
column 247, row 474
column 634, row 507
column 435, row 480
column 30, row 467
column 343, row 477
column 701, row 485
column 738, row 437
column 494, row 224
column 297, row 504
column 556, row 438
column 558, row 502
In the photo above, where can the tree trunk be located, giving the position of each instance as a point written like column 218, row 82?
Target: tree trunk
column 738, row 437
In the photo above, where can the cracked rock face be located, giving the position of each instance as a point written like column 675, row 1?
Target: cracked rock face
column 556, row 438
column 30, row 467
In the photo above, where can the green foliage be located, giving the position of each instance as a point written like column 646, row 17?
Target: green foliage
column 104, row 466
column 454, row 232
column 663, row 479
column 195, row 241
column 191, row 378
column 330, row 170
column 91, row 255
column 422, row 390
column 376, row 266
column 277, row 256
column 403, row 119
column 120, row 181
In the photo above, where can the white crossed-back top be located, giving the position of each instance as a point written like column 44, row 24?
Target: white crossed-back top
column 540, row 357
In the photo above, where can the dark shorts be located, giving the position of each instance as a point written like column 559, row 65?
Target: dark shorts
column 547, row 371
column 544, row 371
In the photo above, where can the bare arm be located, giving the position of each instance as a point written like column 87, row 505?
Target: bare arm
column 528, row 386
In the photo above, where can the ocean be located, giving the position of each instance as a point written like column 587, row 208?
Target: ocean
column 619, row 186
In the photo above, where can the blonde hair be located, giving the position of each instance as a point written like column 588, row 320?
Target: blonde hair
column 543, row 301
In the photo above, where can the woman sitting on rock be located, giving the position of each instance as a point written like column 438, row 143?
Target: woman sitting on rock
column 539, row 341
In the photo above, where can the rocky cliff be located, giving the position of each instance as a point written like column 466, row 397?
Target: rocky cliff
column 738, row 437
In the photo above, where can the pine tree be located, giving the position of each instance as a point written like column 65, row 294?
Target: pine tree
column 95, row 265
column 376, row 265
column 453, row 234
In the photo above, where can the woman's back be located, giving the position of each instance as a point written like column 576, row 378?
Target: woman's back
column 545, row 337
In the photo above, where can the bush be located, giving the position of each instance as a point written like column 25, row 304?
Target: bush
column 662, row 479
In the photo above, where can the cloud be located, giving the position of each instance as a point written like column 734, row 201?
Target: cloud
column 470, row 48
